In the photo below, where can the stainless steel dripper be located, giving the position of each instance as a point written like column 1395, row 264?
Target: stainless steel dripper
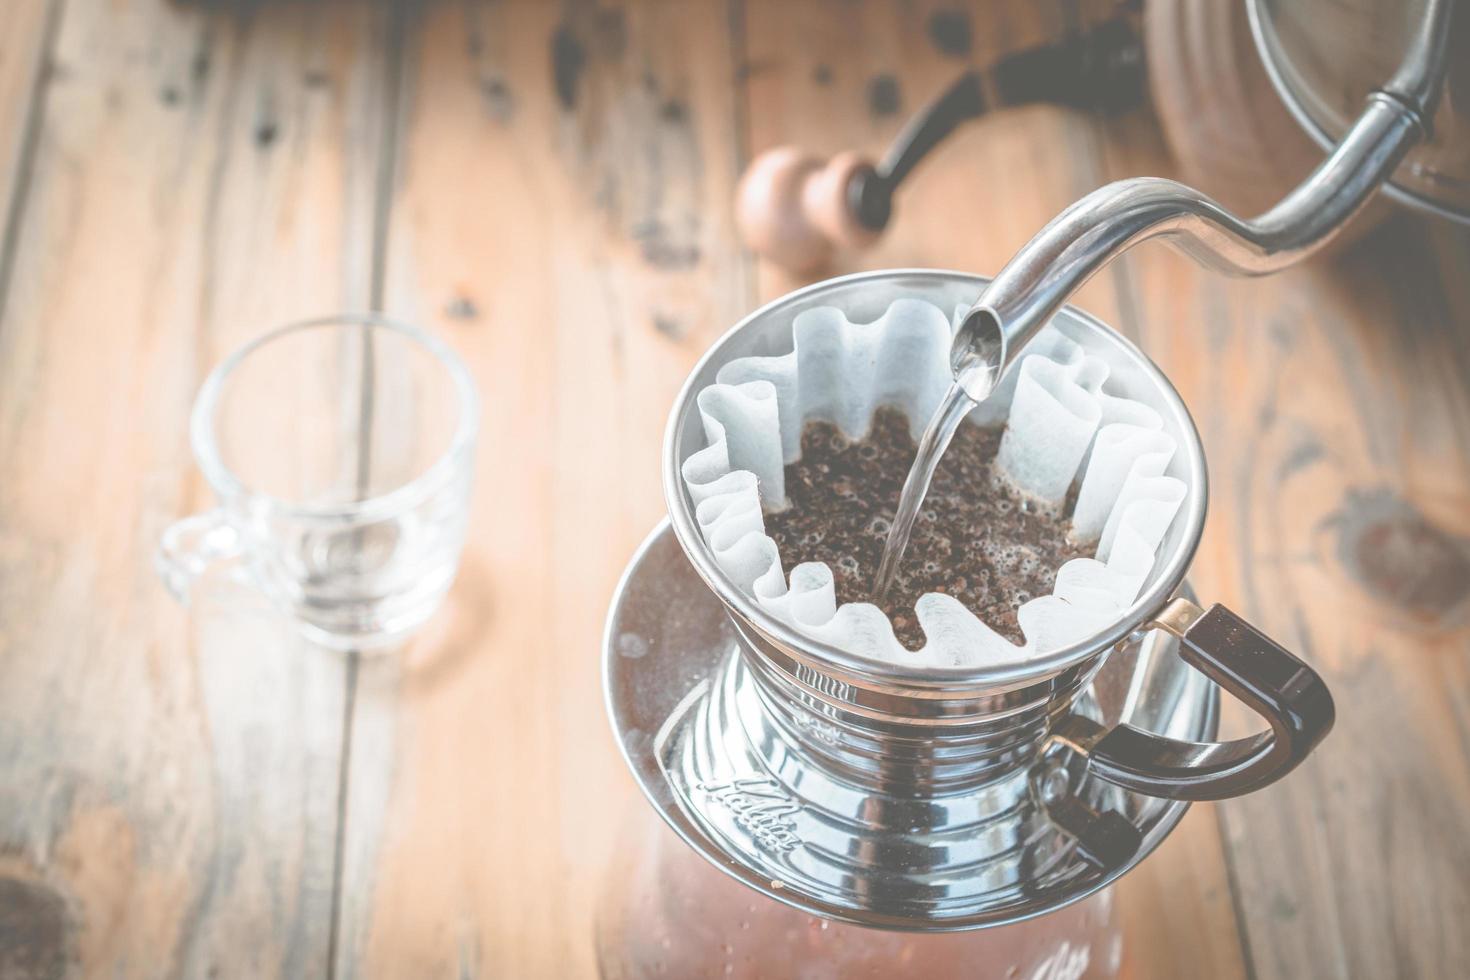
column 934, row 798
column 941, row 798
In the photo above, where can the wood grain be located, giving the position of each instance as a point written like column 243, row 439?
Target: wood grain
column 561, row 216
column 168, row 805
column 1332, row 400
column 548, row 187
column 26, row 34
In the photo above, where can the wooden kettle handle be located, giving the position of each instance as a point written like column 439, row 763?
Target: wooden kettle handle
column 795, row 210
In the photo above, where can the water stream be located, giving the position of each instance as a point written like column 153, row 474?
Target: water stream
column 957, row 403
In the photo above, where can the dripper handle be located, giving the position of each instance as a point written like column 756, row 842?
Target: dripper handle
column 1274, row 683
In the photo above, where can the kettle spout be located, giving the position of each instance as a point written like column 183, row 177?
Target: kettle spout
column 1041, row 277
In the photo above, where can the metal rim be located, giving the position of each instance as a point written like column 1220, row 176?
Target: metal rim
column 930, row 681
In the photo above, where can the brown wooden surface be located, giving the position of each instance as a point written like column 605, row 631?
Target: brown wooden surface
column 168, row 805
column 576, row 248
column 26, row 28
column 188, row 793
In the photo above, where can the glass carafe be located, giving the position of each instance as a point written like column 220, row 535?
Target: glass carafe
column 665, row 911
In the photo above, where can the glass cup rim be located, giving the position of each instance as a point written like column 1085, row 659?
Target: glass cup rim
column 228, row 485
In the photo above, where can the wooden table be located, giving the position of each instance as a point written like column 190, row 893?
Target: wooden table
column 199, row 794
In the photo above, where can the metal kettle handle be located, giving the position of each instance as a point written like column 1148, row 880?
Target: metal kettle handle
column 1290, row 695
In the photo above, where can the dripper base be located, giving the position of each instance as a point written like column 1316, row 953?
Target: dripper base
column 688, row 717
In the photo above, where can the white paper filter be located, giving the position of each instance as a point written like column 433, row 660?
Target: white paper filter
column 1059, row 421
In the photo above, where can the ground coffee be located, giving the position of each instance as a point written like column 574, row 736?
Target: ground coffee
column 977, row 539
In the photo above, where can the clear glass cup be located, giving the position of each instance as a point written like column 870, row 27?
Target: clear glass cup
column 341, row 453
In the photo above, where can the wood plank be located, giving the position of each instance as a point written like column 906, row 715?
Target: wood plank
column 168, row 781
column 1177, row 908
column 26, row 34
column 560, row 217
column 979, row 198
column 1333, row 404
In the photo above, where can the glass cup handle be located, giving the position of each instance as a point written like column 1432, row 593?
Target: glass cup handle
column 191, row 547
column 1290, row 695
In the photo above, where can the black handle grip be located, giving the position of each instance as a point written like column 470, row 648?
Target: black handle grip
column 1100, row 68
column 1250, row 665
column 871, row 196
column 963, row 100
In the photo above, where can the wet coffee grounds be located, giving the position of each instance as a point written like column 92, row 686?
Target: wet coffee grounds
column 977, row 539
